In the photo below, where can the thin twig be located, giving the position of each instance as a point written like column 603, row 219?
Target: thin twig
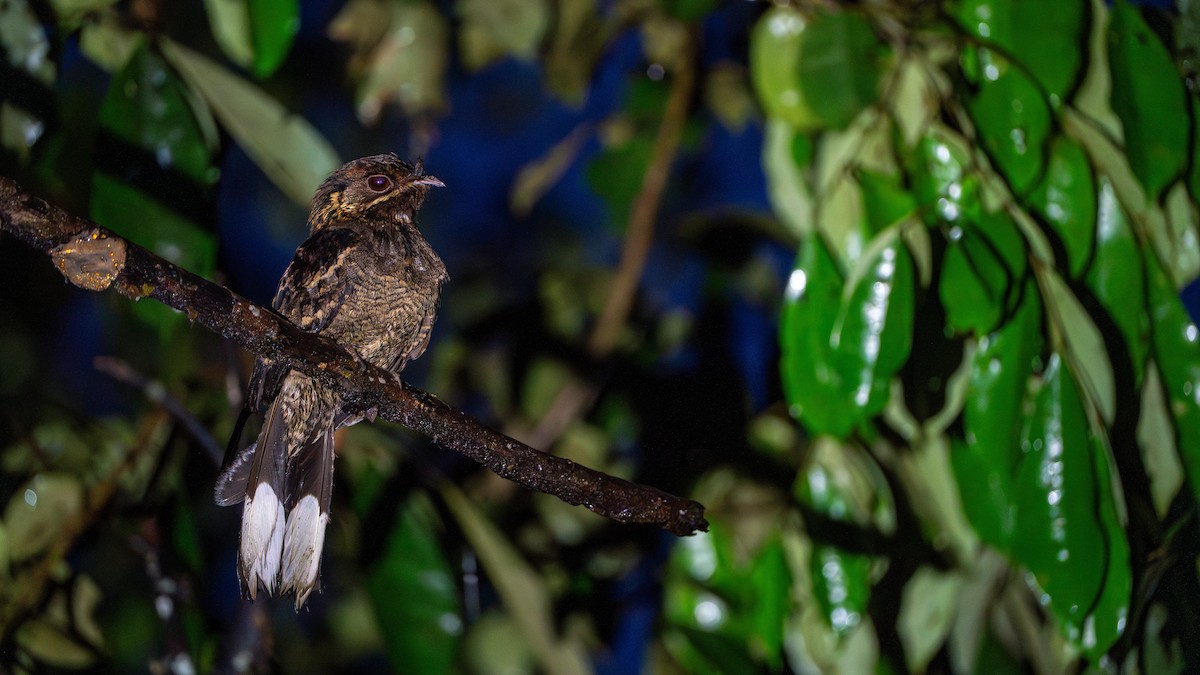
column 154, row 390
column 572, row 399
column 94, row 258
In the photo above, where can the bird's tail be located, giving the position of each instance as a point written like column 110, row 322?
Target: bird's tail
column 286, row 508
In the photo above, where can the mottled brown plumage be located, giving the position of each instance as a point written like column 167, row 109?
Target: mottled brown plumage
column 367, row 278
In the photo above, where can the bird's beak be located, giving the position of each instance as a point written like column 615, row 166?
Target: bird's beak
column 431, row 181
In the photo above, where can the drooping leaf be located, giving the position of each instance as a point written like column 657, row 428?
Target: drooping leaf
column 1081, row 342
column 884, row 199
column 414, row 594
column 775, row 46
column 1066, row 199
column 1118, row 278
column 993, row 412
column 1076, row 554
column 287, row 149
column 1044, row 36
column 1148, row 96
column 1158, row 443
column 786, row 153
column 1013, row 119
column 255, row 34
column 23, row 42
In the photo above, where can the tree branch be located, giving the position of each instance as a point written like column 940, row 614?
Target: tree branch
column 94, row 258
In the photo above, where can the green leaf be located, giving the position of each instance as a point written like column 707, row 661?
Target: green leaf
column 493, row 29
column 842, row 586
column 1176, row 340
column 841, row 60
column 810, row 309
column 1118, row 278
column 1148, row 96
column 415, row 596
column 273, row 27
column 1045, row 37
column 1081, row 344
column 1068, row 538
column 1012, row 117
column 885, row 200
column 981, row 274
column 287, row 149
column 786, row 154
column 993, row 413
column 815, row 71
column 872, row 335
column 946, row 192
column 1066, row 200
column 842, row 346
column 1194, row 171
column 23, row 42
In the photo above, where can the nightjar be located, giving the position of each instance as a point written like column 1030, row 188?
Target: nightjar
column 367, row 278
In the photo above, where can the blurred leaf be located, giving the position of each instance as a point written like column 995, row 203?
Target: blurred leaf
column 273, row 27
column 842, row 585
column 287, row 149
column 885, row 200
column 415, row 595
column 578, row 38
column 689, row 10
column 109, row 43
column 786, row 153
column 23, row 41
column 1082, row 344
column 1066, row 199
column 53, row 645
column 914, row 101
column 945, row 190
column 1194, row 171
column 39, row 511
column 815, row 71
column 1044, row 36
column 537, row 177
column 982, row 271
column 406, row 63
column 1148, row 96
column 1069, row 540
column 495, row 644
column 493, row 29
column 927, row 613
column 993, row 413
column 230, row 24
column 1158, row 443
column 1118, row 279
column 1013, row 119
column 523, row 592
column 1176, row 341
column 616, row 172
column 840, row 481
column 727, row 94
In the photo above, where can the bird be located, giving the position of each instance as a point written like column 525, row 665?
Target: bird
column 367, row 278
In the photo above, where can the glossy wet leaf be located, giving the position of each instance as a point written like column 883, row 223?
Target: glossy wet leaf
column 815, row 70
column 287, row 148
column 1066, row 200
column 1118, row 278
column 993, row 413
column 1046, row 37
column 1013, row 119
column 842, row 585
column 945, row 190
column 810, row 309
column 872, row 334
column 1066, row 517
column 415, row 595
column 982, row 271
column 1148, row 96
column 1176, row 341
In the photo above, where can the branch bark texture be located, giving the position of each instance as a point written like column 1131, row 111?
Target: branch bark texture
column 94, row 258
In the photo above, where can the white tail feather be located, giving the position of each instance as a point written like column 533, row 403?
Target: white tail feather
column 302, row 548
column 262, row 540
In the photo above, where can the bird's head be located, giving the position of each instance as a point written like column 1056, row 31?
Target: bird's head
column 382, row 187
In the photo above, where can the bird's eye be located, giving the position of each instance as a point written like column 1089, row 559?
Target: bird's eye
column 379, row 183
